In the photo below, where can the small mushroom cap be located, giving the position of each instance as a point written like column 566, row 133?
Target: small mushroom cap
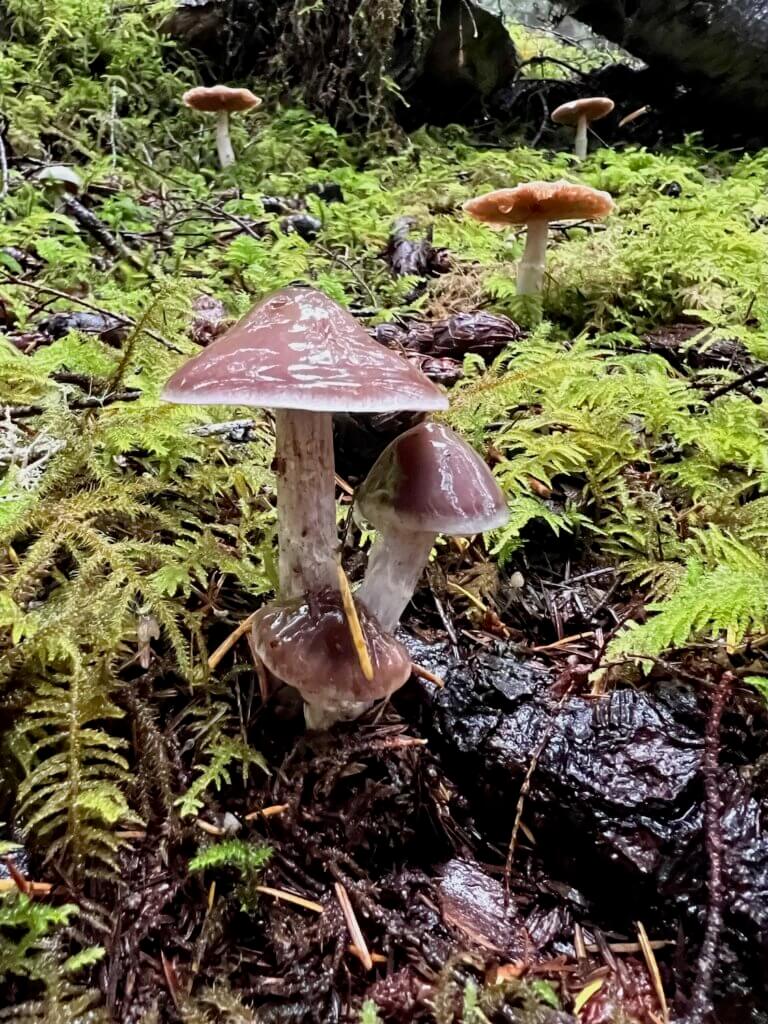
column 298, row 349
column 429, row 480
column 593, row 108
column 311, row 648
column 539, row 200
column 220, row 97
column 59, row 174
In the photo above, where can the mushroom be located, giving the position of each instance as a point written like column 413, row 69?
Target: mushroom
column 61, row 177
column 300, row 353
column 222, row 101
column 427, row 481
column 536, row 204
column 581, row 113
column 307, row 642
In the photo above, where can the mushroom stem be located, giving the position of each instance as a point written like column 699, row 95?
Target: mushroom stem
column 306, row 502
column 580, row 143
column 530, row 273
column 395, row 566
column 223, row 141
column 324, row 714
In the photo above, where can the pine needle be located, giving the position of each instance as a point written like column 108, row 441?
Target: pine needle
column 355, row 629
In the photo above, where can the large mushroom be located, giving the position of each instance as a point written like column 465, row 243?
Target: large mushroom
column 223, row 101
column 535, row 205
column 427, row 481
column 299, row 353
column 580, row 114
column 307, row 642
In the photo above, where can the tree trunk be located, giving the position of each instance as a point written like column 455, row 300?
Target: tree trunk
column 348, row 59
column 717, row 47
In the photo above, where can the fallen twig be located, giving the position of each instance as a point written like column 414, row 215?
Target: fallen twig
column 127, row 320
column 290, row 897
column 753, row 377
column 230, row 641
column 22, row 412
column 355, row 932
column 701, row 996
column 524, row 792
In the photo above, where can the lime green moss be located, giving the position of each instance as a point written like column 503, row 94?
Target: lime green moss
column 133, row 515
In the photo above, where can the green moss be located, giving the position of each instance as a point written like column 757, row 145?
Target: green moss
column 145, row 523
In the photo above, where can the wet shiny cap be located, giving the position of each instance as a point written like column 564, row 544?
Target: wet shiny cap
column 429, row 480
column 298, row 349
column 592, row 107
column 220, row 97
column 539, row 200
column 310, row 647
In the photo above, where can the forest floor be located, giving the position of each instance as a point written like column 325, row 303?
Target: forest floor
column 562, row 816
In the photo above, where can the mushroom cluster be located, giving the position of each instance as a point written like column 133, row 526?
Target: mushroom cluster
column 300, row 354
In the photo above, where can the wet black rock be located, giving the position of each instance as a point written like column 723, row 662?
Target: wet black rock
column 109, row 328
column 301, row 224
column 327, row 191
column 616, row 796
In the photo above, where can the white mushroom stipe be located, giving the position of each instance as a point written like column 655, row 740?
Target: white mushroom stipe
column 530, row 272
column 580, row 141
column 306, row 501
column 395, row 565
column 223, row 141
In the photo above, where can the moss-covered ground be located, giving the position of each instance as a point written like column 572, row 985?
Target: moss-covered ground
column 628, row 429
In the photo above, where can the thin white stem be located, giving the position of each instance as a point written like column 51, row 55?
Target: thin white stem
column 530, row 273
column 580, row 144
column 395, row 566
column 223, row 141
column 306, row 502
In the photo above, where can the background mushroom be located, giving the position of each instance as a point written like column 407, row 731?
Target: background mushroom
column 300, row 353
column 581, row 113
column 64, row 178
column 427, row 481
column 222, row 101
column 308, row 644
column 536, row 204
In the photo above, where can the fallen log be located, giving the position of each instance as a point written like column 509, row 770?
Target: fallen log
column 715, row 47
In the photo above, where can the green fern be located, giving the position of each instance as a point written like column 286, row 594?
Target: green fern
column 246, row 858
column 223, row 753
column 369, row 1014
column 72, row 798
column 26, row 927
column 709, row 602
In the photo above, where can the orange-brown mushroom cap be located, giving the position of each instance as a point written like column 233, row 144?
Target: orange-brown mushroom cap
column 539, row 200
column 593, row 108
column 220, row 97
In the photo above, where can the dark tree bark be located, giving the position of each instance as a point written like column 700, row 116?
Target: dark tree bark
column 348, row 59
column 718, row 47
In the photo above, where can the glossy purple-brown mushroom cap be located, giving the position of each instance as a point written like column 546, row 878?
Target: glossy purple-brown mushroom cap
column 429, row 480
column 298, row 349
column 310, row 647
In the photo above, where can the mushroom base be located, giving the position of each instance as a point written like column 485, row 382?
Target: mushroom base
column 308, row 644
column 319, row 717
column 395, row 566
